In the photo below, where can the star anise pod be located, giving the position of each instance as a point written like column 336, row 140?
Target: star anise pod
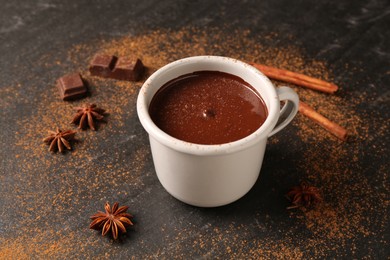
column 303, row 195
column 86, row 115
column 59, row 140
column 114, row 218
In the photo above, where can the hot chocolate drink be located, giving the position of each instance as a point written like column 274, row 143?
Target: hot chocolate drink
column 208, row 107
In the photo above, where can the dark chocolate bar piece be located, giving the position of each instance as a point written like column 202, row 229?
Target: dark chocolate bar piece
column 102, row 65
column 123, row 68
column 72, row 87
column 128, row 68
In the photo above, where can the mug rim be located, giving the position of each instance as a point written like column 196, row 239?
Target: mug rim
column 207, row 149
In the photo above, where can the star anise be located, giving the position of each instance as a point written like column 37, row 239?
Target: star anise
column 303, row 195
column 114, row 218
column 59, row 140
column 86, row 115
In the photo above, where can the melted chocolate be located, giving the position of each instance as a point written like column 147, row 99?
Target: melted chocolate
column 208, row 107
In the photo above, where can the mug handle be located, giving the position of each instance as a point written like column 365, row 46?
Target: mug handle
column 289, row 109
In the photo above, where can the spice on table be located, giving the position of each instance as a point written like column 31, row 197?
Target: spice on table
column 59, row 140
column 296, row 78
column 332, row 127
column 86, row 115
column 303, row 195
column 114, row 219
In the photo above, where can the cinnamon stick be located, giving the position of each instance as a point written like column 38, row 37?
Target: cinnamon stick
column 296, row 78
column 332, row 127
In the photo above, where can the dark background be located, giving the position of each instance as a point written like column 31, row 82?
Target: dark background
column 45, row 199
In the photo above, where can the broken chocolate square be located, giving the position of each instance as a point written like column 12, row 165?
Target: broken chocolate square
column 128, row 68
column 72, row 87
column 102, row 65
column 123, row 68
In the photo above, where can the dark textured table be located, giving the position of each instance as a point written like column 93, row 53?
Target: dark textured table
column 46, row 198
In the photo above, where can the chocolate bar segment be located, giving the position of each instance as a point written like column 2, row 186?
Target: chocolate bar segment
column 102, row 65
column 72, row 87
column 128, row 68
column 123, row 68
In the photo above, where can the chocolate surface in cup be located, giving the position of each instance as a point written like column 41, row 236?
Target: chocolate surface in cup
column 208, row 107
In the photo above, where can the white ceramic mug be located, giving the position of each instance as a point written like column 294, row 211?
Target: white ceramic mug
column 213, row 175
